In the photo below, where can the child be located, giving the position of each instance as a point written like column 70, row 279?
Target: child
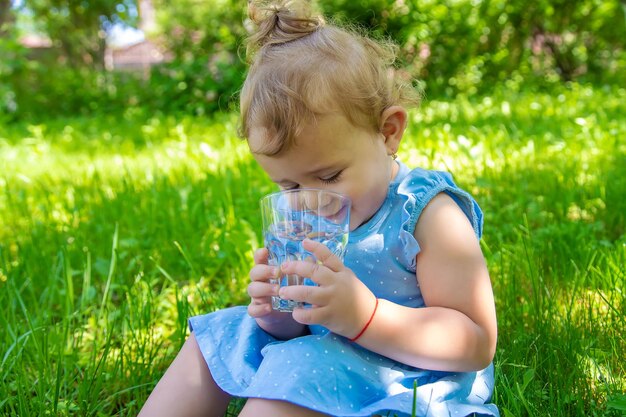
column 412, row 302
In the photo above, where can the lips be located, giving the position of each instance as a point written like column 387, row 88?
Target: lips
column 334, row 213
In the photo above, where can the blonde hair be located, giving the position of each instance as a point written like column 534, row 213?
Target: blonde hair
column 301, row 68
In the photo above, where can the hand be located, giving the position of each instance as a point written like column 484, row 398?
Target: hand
column 341, row 302
column 261, row 291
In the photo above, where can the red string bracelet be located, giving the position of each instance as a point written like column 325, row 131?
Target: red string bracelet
column 354, row 339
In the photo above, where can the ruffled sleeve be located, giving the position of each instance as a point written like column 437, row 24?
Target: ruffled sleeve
column 417, row 189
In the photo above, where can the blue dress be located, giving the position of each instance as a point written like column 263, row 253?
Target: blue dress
column 326, row 372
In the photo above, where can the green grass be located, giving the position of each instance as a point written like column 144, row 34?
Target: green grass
column 114, row 230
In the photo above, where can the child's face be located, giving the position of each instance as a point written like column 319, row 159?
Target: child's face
column 333, row 155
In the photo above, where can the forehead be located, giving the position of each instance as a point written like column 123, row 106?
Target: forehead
column 329, row 144
column 329, row 130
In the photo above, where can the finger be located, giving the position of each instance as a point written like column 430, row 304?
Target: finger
column 262, row 272
column 261, row 256
column 317, row 272
column 262, row 290
column 310, row 315
column 306, row 293
column 323, row 254
column 259, row 310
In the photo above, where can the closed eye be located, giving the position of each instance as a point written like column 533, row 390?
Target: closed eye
column 333, row 179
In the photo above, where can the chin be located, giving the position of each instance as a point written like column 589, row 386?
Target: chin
column 356, row 222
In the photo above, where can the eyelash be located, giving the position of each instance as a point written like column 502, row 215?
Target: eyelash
column 332, row 179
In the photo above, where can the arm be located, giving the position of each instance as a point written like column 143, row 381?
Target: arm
column 456, row 331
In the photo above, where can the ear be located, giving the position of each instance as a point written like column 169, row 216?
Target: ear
column 393, row 122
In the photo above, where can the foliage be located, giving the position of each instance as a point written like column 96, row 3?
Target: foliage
column 114, row 229
column 204, row 38
column 193, row 87
column 196, row 86
column 467, row 45
column 204, row 77
column 65, row 78
column 193, row 29
column 11, row 62
column 452, row 46
column 77, row 27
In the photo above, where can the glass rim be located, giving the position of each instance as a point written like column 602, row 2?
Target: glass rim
column 297, row 190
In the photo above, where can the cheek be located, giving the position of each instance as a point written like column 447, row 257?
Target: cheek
column 366, row 201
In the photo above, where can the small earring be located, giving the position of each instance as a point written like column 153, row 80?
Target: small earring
column 394, row 156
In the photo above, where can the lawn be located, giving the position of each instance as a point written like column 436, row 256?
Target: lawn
column 115, row 229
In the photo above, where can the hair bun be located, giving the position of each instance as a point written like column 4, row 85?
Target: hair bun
column 281, row 21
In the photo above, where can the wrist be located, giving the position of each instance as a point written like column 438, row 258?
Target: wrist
column 367, row 323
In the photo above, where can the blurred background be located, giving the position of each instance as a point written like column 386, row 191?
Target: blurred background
column 79, row 57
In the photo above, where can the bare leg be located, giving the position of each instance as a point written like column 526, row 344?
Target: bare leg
column 187, row 388
column 256, row 407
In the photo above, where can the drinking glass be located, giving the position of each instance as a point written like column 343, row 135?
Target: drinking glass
column 291, row 216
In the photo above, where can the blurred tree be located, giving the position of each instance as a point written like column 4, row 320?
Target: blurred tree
column 6, row 16
column 78, row 27
column 459, row 45
column 452, row 46
column 204, row 37
column 193, row 28
column 11, row 58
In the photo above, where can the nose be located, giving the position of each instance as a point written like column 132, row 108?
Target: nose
column 323, row 204
column 313, row 200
